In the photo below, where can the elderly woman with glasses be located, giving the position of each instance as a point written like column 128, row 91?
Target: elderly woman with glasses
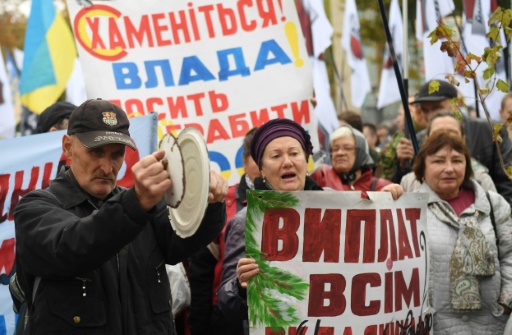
column 352, row 165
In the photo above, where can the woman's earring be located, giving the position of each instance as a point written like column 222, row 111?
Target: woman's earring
column 264, row 180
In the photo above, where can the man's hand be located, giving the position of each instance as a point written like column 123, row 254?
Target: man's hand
column 151, row 180
column 404, row 151
column 218, row 187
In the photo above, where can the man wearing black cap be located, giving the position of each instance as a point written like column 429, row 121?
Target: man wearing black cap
column 91, row 255
column 54, row 117
column 478, row 138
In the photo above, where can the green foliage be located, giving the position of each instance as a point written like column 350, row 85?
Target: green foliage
column 273, row 293
column 502, row 85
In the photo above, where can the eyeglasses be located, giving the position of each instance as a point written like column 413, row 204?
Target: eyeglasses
column 346, row 149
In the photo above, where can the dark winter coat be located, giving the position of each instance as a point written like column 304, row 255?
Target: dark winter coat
column 102, row 265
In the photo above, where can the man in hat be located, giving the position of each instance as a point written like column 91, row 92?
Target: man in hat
column 91, row 255
column 478, row 139
column 55, row 117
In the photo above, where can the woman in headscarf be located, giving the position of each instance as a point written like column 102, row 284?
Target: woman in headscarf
column 470, row 281
column 352, row 165
column 281, row 148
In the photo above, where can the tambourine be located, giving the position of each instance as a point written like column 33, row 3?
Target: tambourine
column 189, row 168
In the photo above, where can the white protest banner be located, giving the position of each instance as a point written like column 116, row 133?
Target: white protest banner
column 31, row 162
column 334, row 263
column 222, row 66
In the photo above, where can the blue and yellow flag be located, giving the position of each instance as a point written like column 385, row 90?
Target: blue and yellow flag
column 50, row 53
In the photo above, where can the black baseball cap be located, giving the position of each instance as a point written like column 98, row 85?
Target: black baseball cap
column 97, row 122
column 446, row 91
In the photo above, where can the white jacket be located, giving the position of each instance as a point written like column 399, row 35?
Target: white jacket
column 490, row 320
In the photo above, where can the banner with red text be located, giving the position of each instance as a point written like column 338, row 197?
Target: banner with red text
column 222, row 66
column 333, row 263
column 31, row 162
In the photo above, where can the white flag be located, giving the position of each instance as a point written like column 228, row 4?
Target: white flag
column 351, row 42
column 388, row 88
column 475, row 40
column 7, row 123
column 75, row 89
column 429, row 13
column 321, row 33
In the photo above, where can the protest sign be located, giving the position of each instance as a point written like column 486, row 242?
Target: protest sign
column 221, row 66
column 333, row 263
column 30, row 163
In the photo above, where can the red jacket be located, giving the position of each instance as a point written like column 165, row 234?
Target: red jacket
column 327, row 177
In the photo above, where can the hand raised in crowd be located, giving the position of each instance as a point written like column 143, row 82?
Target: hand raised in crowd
column 404, row 151
column 245, row 270
column 151, row 180
column 218, row 187
column 395, row 189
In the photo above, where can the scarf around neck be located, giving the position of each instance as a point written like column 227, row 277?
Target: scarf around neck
column 471, row 257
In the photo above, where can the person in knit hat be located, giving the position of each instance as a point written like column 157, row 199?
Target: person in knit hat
column 281, row 148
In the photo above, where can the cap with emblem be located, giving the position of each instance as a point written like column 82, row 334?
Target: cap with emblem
column 445, row 91
column 97, row 122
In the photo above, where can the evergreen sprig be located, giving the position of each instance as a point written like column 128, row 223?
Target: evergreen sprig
column 273, row 293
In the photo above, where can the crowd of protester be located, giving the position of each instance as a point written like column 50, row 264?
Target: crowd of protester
column 457, row 165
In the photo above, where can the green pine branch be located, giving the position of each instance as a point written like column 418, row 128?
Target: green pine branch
column 273, row 293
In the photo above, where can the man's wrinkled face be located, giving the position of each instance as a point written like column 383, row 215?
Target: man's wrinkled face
column 94, row 169
column 429, row 108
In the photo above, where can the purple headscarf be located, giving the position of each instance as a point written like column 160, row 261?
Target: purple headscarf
column 278, row 128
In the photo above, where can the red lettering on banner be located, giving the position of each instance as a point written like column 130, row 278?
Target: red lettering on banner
column 159, row 29
column 193, row 20
column 321, row 235
column 216, row 132
column 404, row 247
column 131, row 157
column 4, row 189
column 178, row 26
column 279, row 110
column 115, row 37
column 267, row 13
column 407, row 292
column 7, row 255
column 143, row 32
column 47, row 174
column 289, row 220
column 177, row 107
column 301, row 114
column 413, row 215
column 96, row 41
column 358, row 298
column 109, row 27
column 387, row 245
column 355, row 219
column 196, row 99
column 388, row 292
column 259, row 118
column 18, row 192
column 207, row 10
column 318, row 296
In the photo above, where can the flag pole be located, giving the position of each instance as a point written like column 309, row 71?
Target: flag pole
column 405, row 52
column 398, row 75
column 339, row 78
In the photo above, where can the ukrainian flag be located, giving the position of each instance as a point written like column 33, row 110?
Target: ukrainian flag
column 50, row 53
